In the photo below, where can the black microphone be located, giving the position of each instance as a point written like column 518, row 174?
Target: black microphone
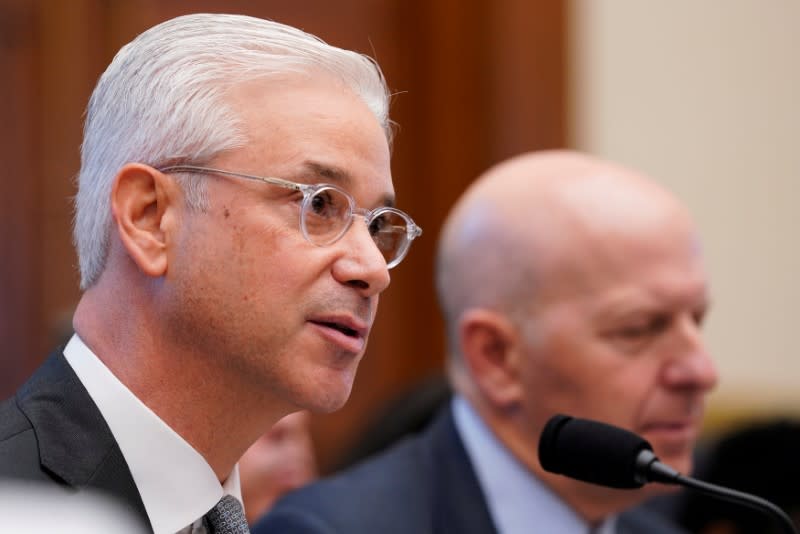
column 607, row 455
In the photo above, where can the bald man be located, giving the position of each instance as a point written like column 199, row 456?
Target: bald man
column 568, row 285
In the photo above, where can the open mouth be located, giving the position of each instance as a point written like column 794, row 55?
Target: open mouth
column 675, row 431
column 345, row 335
column 346, row 330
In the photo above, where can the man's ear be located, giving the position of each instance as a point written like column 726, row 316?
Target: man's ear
column 491, row 350
column 141, row 200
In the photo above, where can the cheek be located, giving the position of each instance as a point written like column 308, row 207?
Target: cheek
column 243, row 279
column 262, row 256
column 561, row 369
column 552, row 385
column 588, row 379
column 628, row 392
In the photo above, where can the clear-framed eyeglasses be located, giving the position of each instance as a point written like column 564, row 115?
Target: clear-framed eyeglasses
column 327, row 213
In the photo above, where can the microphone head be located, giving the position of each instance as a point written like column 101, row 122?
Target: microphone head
column 592, row 452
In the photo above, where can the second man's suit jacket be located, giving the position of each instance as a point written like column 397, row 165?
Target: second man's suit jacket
column 424, row 485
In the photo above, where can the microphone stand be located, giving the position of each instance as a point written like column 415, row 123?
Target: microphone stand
column 650, row 469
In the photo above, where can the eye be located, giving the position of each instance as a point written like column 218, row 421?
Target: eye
column 699, row 316
column 638, row 334
column 320, row 203
column 328, row 204
column 378, row 224
column 652, row 326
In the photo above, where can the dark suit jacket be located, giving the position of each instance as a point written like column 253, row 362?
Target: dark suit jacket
column 424, row 485
column 52, row 432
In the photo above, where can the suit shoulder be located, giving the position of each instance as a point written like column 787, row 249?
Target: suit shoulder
column 19, row 450
column 12, row 420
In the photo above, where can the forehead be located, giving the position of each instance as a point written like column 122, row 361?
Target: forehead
column 655, row 288
column 647, row 264
column 310, row 128
column 578, row 303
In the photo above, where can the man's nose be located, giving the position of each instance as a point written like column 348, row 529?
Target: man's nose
column 361, row 264
column 691, row 365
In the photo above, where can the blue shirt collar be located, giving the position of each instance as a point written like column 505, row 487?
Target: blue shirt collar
column 517, row 500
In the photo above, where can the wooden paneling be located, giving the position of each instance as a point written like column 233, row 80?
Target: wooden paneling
column 475, row 82
column 20, row 262
column 66, row 71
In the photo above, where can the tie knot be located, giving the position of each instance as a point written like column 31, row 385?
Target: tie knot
column 227, row 517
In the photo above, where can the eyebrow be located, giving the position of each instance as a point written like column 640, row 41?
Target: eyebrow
column 622, row 308
column 330, row 173
column 340, row 177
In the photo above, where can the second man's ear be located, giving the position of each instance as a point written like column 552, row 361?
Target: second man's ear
column 142, row 199
column 491, row 351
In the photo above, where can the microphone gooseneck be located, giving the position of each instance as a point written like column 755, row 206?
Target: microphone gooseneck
column 606, row 455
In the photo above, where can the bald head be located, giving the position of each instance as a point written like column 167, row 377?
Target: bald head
column 540, row 224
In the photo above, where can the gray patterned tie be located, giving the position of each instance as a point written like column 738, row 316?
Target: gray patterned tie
column 227, row 517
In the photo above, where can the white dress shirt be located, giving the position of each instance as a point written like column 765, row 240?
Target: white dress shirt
column 175, row 482
column 518, row 502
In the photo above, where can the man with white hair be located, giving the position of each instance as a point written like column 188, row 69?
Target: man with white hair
column 568, row 285
column 232, row 248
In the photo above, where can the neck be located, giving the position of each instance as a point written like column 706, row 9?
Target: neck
column 191, row 393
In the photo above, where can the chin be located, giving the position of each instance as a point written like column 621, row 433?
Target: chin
column 328, row 397
column 674, row 450
column 330, row 405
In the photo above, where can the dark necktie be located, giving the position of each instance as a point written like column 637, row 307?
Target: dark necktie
column 227, row 517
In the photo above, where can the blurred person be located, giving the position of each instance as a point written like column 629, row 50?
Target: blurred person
column 568, row 285
column 279, row 461
column 757, row 458
column 232, row 247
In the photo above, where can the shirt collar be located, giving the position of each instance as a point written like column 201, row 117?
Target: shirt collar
column 176, row 484
column 516, row 498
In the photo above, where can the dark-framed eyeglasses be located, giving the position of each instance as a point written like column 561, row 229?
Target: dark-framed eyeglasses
column 327, row 213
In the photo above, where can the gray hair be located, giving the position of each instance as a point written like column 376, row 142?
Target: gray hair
column 162, row 101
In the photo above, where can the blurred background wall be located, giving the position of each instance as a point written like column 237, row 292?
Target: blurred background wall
column 700, row 95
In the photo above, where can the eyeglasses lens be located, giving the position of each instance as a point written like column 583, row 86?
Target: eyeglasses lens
column 327, row 214
column 389, row 230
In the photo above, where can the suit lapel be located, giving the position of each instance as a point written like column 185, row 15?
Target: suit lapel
column 460, row 504
column 75, row 443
